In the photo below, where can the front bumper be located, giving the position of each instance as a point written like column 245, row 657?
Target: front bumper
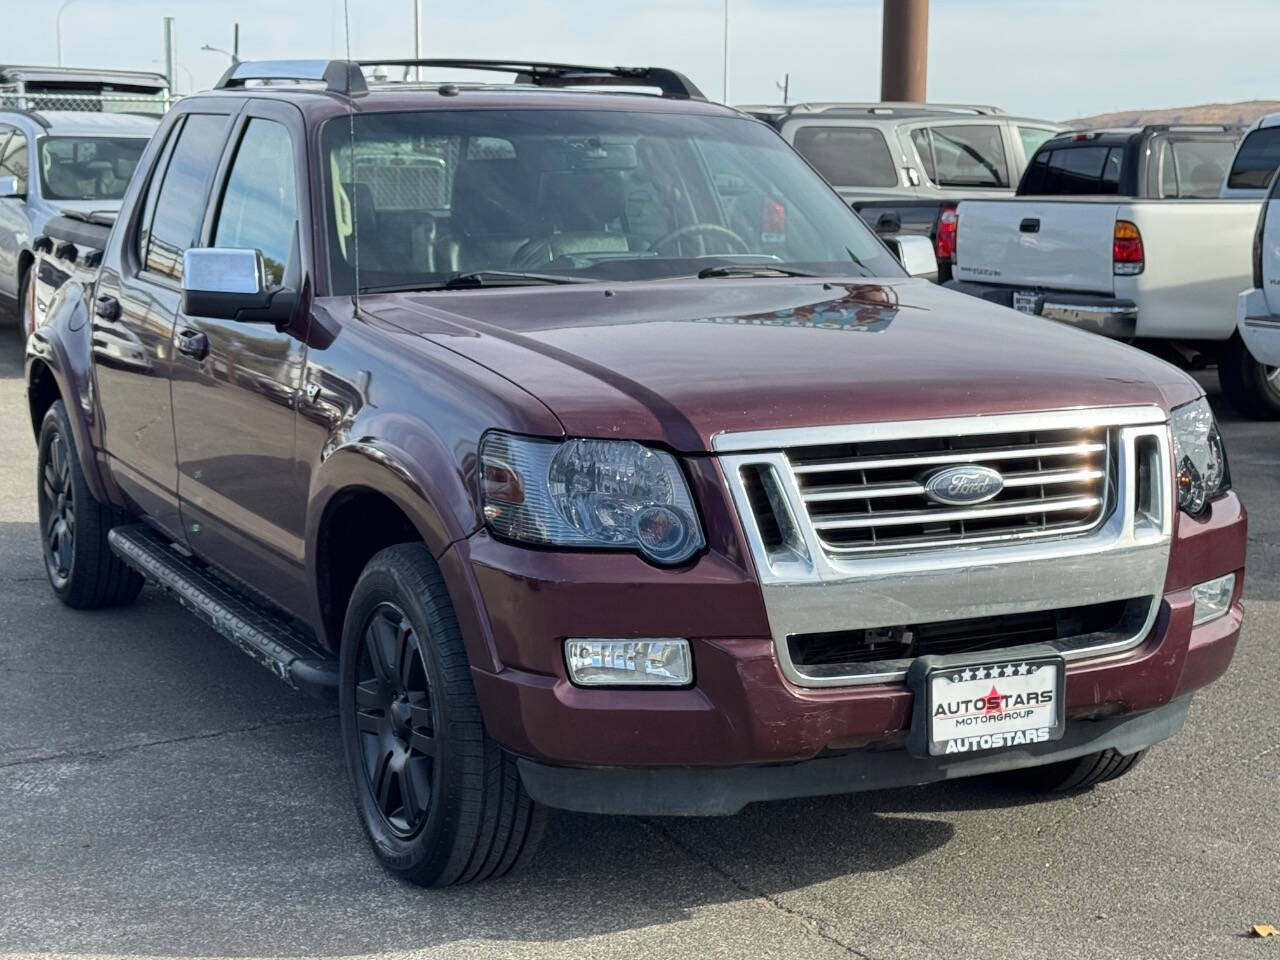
column 1109, row 316
column 742, row 710
column 1259, row 327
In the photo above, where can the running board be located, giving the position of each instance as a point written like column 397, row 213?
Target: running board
column 285, row 648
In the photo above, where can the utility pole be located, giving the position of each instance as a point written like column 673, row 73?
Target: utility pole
column 904, row 56
column 235, row 42
column 417, row 38
column 785, row 87
column 725, row 77
column 169, row 53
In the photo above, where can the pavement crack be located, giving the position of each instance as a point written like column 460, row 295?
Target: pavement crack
column 74, row 755
column 812, row 921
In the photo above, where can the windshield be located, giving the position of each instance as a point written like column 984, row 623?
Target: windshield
column 615, row 195
column 88, row 168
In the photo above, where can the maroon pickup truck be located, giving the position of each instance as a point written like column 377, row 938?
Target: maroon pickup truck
column 592, row 454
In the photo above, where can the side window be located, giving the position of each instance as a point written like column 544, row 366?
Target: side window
column 260, row 203
column 13, row 162
column 153, row 190
column 1202, row 166
column 1256, row 160
column 969, row 155
column 1168, row 172
column 1032, row 138
column 924, row 147
column 848, row 156
column 181, row 201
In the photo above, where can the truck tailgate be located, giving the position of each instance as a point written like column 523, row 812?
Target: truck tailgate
column 1058, row 244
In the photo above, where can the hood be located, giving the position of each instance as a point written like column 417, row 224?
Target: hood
column 680, row 361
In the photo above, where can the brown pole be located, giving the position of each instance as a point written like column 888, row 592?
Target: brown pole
column 904, row 50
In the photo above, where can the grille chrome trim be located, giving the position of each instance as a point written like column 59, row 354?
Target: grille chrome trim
column 976, row 455
column 809, row 587
column 912, row 517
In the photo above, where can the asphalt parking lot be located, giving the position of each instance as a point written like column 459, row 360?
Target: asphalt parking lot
column 162, row 795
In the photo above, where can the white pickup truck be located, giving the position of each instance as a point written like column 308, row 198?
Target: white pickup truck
column 1128, row 252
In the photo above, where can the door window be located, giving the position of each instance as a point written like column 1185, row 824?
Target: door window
column 1201, row 166
column 963, row 155
column 13, row 162
column 848, row 156
column 180, row 203
column 1256, row 160
column 260, row 204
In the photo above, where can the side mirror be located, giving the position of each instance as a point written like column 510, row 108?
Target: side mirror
column 916, row 256
column 12, row 188
column 228, row 284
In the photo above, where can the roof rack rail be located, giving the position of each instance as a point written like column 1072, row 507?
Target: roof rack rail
column 338, row 76
column 346, row 77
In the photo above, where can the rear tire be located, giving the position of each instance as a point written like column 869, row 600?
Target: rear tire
column 1071, row 776
column 440, row 801
column 1249, row 386
column 82, row 568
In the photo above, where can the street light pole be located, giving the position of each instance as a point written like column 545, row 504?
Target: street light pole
column 725, row 78
column 57, row 26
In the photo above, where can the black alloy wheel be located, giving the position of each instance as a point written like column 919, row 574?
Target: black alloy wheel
column 394, row 717
column 57, row 510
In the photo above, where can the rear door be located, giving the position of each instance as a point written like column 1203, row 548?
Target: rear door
column 1262, row 333
column 235, row 384
column 133, row 327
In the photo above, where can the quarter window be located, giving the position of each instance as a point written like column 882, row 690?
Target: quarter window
column 1032, row 139
column 848, row 156
column 260, row 204
column 181, row 202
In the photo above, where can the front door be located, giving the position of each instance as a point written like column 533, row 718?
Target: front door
column 235, row 384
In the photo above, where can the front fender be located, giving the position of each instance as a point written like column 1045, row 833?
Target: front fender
column 61, row 349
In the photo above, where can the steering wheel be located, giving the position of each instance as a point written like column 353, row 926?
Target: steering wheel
column 693, row 229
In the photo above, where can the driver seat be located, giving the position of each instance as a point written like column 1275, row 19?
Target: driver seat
column 582, row 213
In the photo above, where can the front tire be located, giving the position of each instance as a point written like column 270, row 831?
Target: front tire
column 440, row 802
column 1072, row 776
column 82, row 568
column 1249, row 386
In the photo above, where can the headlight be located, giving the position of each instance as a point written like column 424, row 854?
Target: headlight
column 1199, row 458
column 588, row 493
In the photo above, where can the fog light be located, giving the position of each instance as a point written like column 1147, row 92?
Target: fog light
column 629, row 663
column 1213, row 598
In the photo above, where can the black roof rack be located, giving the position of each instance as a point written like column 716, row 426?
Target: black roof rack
column 346, row 77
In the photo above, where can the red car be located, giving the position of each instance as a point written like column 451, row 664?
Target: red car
column 593, row 454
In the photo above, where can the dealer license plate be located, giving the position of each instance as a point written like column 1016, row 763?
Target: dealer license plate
column 992, row 706
column 1026, row 301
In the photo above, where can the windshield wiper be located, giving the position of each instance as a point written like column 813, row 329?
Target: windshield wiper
column 479, row 278
column 750, row 270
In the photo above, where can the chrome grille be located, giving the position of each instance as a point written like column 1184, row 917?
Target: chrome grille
column 871, row 495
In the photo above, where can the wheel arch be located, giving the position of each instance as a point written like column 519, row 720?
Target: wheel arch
column 368, row 496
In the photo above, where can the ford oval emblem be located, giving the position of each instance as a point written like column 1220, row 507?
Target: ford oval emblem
column 964, row 485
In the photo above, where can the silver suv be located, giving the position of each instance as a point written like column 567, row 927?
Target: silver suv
column 905, row 166
column 59, row 161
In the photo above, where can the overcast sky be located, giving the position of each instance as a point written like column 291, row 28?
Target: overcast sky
column 1047, row 58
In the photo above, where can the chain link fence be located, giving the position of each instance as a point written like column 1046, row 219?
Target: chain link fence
column 150, row 105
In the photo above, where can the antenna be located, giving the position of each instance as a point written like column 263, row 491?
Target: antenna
column 355, row 212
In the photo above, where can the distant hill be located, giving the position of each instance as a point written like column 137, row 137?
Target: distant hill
column 1243, row 113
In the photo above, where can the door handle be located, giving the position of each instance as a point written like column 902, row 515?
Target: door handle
column 107, row 307
column 193, row 343
column 1030, row 225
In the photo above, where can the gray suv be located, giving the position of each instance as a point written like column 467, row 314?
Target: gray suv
column 59, row 161
column 905, row 166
